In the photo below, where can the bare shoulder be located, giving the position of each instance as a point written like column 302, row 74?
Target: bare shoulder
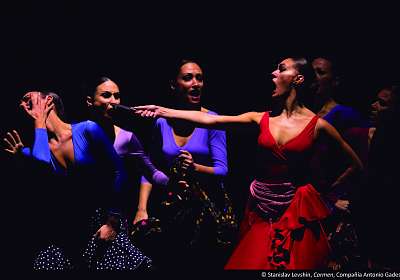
column 323, row 124
column 327, row 128
column 251, row 117
column 308, row 113
column 257, row 116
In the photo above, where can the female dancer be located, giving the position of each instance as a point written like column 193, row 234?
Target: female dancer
column 102, row 94
column 281, row 228
column 79, row 190
column 200, row 222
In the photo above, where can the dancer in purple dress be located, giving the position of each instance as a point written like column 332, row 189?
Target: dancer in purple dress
column 199, row 224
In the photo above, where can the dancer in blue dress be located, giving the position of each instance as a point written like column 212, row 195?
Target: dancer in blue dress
column 78, row 192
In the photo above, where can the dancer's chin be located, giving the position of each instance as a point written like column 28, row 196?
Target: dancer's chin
column 275, row 94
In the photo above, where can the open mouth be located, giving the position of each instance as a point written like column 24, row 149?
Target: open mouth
column 275, row 87
column 195, row 93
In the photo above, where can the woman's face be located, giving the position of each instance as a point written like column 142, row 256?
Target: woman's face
column 189, row 83
column 284, row 76
column 323, row 76
column 106, row 94
column 382, row 102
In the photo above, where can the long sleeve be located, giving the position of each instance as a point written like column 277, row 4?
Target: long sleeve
column 217, row 142
column 41, row 153
column 26, row 152
column 155, row 155
column 151, row 173
column 41, row 149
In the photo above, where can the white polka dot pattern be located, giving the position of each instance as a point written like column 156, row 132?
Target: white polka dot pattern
column 120, row 254
column 52, row 258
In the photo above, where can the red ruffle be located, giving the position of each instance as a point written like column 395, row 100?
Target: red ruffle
column 296, row 241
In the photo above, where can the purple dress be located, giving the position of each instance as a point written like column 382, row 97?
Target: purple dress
column 207, row 146
column 189, row 229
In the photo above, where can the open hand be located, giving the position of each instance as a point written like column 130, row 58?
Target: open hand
column 37, row 107
column 13, row 142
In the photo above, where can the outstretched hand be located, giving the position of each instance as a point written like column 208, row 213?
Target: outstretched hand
column 13, row 143
column 149, row 111
column 37, row 107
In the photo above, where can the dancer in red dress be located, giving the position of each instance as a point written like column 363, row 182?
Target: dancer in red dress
column 281, row 228
column 282, row 215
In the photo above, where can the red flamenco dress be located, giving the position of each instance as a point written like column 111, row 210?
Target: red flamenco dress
column 281, row 228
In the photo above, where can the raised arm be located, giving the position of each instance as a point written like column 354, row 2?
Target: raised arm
column 356, row 165
column 38, row 109
column 201, row 119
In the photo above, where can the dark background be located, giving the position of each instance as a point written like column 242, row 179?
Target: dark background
column 57, row 45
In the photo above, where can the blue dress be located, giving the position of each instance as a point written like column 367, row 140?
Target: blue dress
column 343, row 117
column 79, row 199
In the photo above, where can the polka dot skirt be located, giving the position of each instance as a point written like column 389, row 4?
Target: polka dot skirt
column 52, row 258
column 119, row 254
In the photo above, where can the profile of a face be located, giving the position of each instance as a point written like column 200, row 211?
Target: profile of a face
column 189, row 83
column 285, row 77
column 107, row 93
column 381, row 103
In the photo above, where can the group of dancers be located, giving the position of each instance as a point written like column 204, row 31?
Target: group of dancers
column 107, row 203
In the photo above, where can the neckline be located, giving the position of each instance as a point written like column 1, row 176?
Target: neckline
column 293, row 138
column 171, row 130
column 187, row 142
